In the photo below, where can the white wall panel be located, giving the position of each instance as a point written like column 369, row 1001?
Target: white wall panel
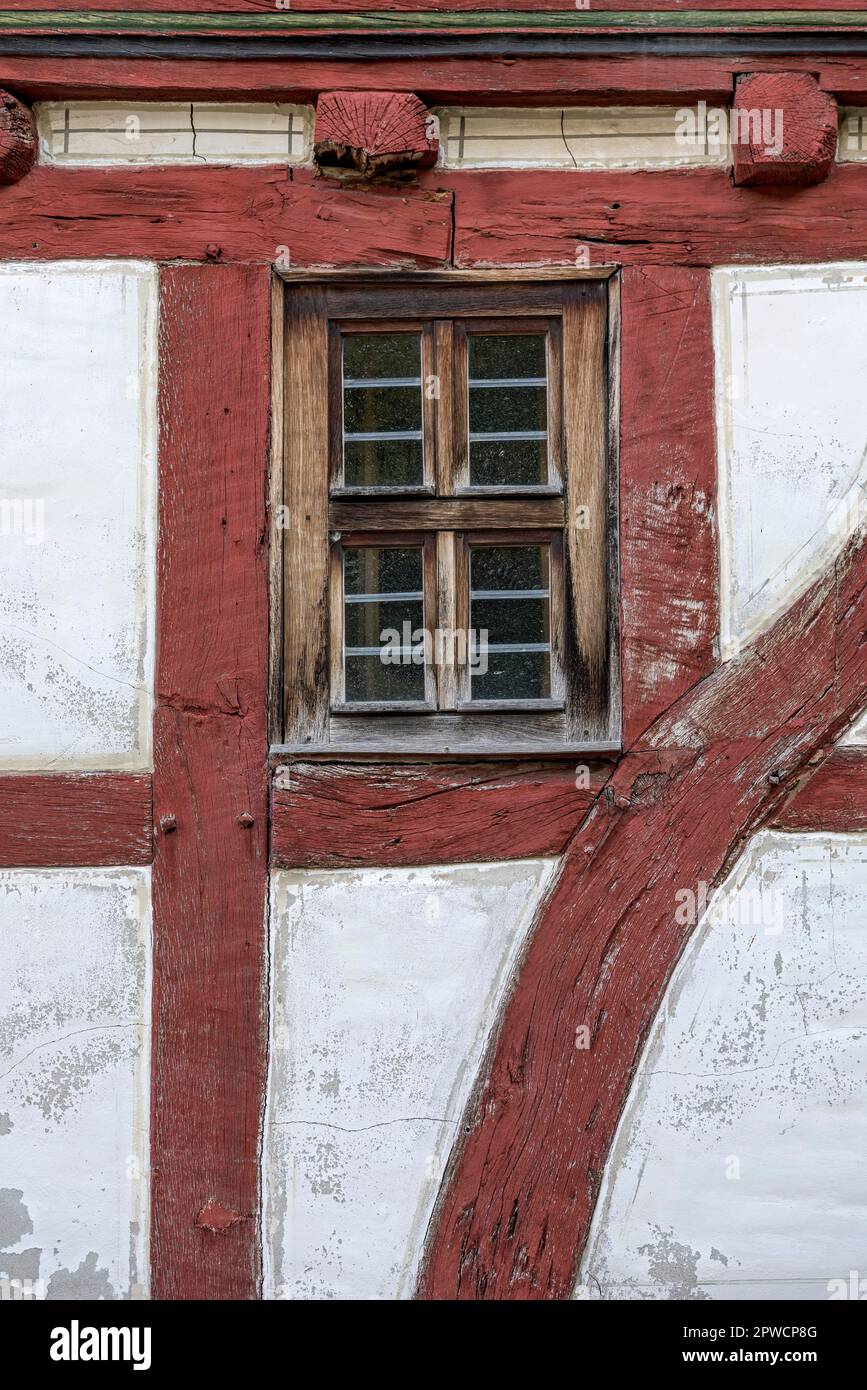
column 74, row 1095
column 162, row 132
column 738, row 1168
column 77, row 514
column 385, row 984
column 792, row 430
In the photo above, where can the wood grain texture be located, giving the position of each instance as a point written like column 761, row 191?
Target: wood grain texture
column 519, row 1193
column 210, row 782
column 245, row 214
column 18, row 142
column 806, row 122
column 327, row 815
column 373, row 132
column 689, row 217
column 614, row 80
column 686, row 217
column 668, row 548
column 446, row 514
column 425, row 21
column 834, row 798
column 585, row 405
column 75, row 819
column 409, row 6
column 305, row 499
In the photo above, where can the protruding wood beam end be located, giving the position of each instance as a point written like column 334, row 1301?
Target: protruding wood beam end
column 18, row 140
column 784, row 130
column 374, row 132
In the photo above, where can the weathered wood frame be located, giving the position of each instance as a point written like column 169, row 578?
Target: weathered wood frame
column 578, row 496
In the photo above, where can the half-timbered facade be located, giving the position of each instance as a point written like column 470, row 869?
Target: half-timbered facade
column 432, row 649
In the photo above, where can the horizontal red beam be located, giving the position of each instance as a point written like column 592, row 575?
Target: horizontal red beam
column 834, row 798
column 222, row 214
column 408, row 6
column 327, row 816
column 544, row 81
column 682, row 217
column 75, row 819
column 453, row 80
column 502, row 217
column 492, row 80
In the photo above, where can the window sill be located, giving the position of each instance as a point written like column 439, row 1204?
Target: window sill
column 403, row 751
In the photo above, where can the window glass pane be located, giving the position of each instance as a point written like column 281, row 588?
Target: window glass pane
column 510, row 606
column 382, row 410
column 508, row 410
column 383, row 620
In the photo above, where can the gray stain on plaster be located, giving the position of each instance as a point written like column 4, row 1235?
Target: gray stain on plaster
column 55, row 1089
column 15, row 1220
column 673, row 1266
column 23, row 1265
column 6, row 1125
column 86, row 1282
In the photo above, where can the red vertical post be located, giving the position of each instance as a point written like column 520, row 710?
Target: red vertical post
column 210, row 783
column 668, row 541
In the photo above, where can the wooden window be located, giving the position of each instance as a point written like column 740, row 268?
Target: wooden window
column 447, row 514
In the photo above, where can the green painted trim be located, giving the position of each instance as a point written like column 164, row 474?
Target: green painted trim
column 378, row 21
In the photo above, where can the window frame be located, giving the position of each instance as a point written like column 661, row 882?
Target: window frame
column 321, row 516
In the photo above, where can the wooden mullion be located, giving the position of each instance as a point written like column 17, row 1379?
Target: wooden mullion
column 430, row 614
column 586, row 432
column 337, row 626
column 557, row 633
column 336, row 472
column 306, row 475
column 461, row 410
column 446, row 381
column 556, row 440
column 445, row 514
column 447, row 619
column 429, row 407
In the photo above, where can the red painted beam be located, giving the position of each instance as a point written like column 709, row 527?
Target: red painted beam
column 491, row 80
column 668, row 548
column 515, row 1209
column 326, row 815
column 511, row 82
column 210, row 782
column 229, row 214
column 403, row 6
column 502, row 217
column 75, row 819
column 682, row 217
column 834, row 798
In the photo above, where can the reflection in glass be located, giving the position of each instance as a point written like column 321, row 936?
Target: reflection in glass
column 383, row 594
column 510, row 597
column 508, row 410
column 382, row 410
